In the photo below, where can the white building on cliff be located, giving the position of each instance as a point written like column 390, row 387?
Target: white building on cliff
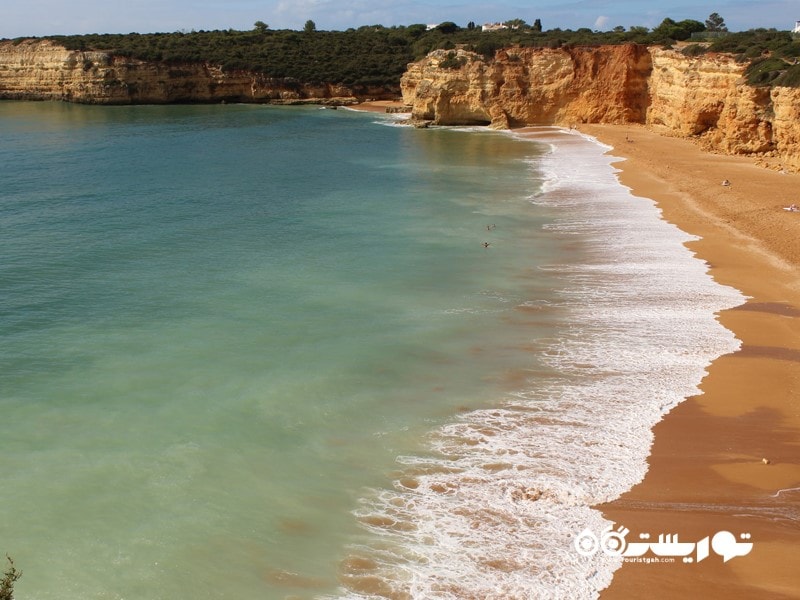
column 796, row 27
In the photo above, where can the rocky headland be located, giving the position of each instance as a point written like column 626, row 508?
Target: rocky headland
column 43, row 70
column 704, row 98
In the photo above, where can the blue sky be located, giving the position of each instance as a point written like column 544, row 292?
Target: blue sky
column 46, row 17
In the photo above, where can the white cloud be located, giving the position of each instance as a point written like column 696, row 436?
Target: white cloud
column 601, row 23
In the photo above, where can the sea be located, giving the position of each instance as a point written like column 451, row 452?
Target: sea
column 284, row 353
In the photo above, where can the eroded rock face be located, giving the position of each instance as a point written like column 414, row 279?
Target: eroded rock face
column 704, row 98
column 531, row 86
column 786, row 126
column 42, row 70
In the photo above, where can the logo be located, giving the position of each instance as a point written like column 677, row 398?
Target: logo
column 613, row 543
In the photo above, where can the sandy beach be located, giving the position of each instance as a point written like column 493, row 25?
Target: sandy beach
column 727, row 459
column 378, row 106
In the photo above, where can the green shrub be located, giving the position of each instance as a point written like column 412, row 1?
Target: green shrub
column 790, row 50
column 453, row 62
column 694, row 50
column 789, row 78
column 765, row 71
column 487, row 47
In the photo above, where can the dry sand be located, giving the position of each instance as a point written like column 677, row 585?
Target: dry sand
column 708, row 471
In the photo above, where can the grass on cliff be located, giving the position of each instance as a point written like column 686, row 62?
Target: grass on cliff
column 773, row 56
column 377, row 56
column 773, row 72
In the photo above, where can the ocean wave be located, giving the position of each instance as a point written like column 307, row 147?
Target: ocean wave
column 492, row 511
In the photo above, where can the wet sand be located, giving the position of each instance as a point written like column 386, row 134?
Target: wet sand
column 729, row 458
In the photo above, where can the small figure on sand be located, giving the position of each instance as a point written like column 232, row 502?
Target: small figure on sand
column 725, row 182
column 792, row 208
column 627, row 139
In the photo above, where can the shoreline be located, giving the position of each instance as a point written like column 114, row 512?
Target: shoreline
column 725, row 459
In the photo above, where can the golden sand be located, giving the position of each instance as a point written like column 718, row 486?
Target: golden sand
column 728, row 458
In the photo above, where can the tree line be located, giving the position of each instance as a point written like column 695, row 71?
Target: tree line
column 377, row 56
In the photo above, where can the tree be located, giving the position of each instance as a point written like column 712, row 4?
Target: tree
column 666, row 28
column 678, row 31
column 447, row 27
column 690, row 26
column 471, row 26
column 260, row 26
column 515, row 24
column 537, row 25
column 310, row 26
column 416, row 30
column 715, row 23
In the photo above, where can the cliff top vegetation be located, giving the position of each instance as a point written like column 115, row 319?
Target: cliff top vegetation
column 772, row 56
column 377, row 55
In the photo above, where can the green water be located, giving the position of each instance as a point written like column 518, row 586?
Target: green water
column 221, row 324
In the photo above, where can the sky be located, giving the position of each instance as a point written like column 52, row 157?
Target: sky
column 51, row 17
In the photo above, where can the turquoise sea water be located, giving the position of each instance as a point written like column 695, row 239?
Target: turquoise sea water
column 245, row 347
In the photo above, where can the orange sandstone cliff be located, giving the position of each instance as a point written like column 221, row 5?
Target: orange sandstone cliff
column 525, row 86
column 43, row 70
column 703, row 97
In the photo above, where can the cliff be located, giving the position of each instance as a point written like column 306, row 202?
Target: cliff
column 42, row 70
column 530, row 86
column 704, row 98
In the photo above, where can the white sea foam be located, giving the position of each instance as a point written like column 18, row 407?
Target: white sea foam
column 493, row 511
